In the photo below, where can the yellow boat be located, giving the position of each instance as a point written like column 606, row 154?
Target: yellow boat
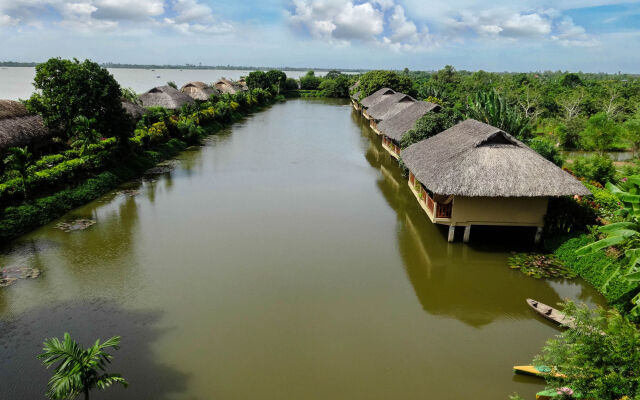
column 535, row 370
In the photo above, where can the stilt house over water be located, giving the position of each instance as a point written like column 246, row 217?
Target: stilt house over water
column 387, row 108
column 393, row 129
column 198, row 90
column 20, row 128
column 476, row 174
column 165, row 96
column 375, row 98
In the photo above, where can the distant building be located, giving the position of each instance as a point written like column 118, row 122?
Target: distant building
column 373, row 99
column 199, row 90
column 389, row 106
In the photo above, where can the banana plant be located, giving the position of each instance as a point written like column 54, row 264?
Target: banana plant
column 621, row 232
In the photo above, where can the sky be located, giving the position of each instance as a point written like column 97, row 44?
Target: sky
column 501, row 35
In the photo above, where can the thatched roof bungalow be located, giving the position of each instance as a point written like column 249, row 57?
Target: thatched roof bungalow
column 199, row 90
column 20, row 128
column 355, row 95
column 476, row 174
column 165, row 96
column 228, row 86
column 393, row 129
column 375, row 98
column 135, row 111
column 387, row 108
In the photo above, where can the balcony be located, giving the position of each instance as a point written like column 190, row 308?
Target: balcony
column 437, row 212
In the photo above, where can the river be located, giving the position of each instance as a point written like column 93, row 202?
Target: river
column 284, row 259
column 17, row 82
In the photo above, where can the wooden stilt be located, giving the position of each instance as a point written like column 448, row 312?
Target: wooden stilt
column 452, row 233
column 538, row 237
column 467, row 233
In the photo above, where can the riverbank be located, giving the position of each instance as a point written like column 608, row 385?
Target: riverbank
column 56, row 181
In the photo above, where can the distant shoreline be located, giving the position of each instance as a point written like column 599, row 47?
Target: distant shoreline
column 189, row 66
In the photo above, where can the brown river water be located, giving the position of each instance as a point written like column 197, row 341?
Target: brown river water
column 284, row 259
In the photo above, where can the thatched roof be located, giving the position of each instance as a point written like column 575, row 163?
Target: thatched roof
column 165, row 96
column 390, row 106
column 18, row 127
column 135, row 111
column 353, row 87
column 476, row 159
column 227, row 86
column 376, row 97
column 199, row 90
column 396, row 126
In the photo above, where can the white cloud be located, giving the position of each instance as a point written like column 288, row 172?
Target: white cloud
column 193, row 17
column 381, row 22
column 6, row 20
column 127, row 9
column 569, row 34
column 498, row 22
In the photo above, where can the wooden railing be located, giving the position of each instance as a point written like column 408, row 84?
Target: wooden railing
column 444, row 210
column 430, row 203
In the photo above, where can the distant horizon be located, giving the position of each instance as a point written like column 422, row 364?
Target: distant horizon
column 307, row 68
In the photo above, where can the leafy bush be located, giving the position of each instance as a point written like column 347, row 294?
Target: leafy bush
column 601, row 132
column 596, row 168
column 310, row 81
column 547, row 148
column 372, row 81
column 428, row 125
column 291, row 84
column 336, row 87
column 605, row 203
column 566, row 215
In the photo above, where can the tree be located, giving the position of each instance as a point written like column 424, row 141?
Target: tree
column 291, row 84
column 333, row 74
column 601, row 132
column 571, row 80
column 276, row 79
column 83, row 133
column 257, row 80
column 599, row 358
column 336, row 87
column 632, row 133
column 78, row 371
column 19, row 160
column 68, row 89
column 375, row 80
column 597, row 168
column 310, row 81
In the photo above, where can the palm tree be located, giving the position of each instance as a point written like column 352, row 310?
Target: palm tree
column 491, row 108
column 84, row 134
column 19, row 160
column 78, row 370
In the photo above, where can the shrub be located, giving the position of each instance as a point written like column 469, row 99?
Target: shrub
column 566, row 215
column 310, row 81
column 428, row 125
column 547, row 148
column 291, row 84
column 372, row 81
column 596, row 168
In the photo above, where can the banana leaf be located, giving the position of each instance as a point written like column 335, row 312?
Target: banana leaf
column 602, row 244
column 618, row 226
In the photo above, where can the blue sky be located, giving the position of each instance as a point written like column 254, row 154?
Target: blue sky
column 586, row 35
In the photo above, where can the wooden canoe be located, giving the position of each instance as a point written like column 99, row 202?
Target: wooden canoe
column 535, row 370
column 551, row 313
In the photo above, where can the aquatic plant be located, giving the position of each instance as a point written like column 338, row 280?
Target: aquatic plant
column 540, row 266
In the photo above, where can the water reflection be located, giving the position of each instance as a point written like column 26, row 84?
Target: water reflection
column 21, row 340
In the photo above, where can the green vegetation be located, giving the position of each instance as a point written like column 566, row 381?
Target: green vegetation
column 540, row 266
column 428, row 125
column 35, row 191
column 600, row 358
column 68, row 89
column 373, row 81
column 597, row 168
column 78, row 371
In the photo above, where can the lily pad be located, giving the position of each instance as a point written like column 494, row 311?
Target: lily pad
column 10, row 275
column 75, row 225
column 540, row 266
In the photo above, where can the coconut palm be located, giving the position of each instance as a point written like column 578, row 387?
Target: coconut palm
column 19, row 159
column 491, row 108
column 83, row 133
column 78, row 371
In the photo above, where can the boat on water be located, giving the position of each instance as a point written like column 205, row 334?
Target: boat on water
column 551, row 313
column 535, row 370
